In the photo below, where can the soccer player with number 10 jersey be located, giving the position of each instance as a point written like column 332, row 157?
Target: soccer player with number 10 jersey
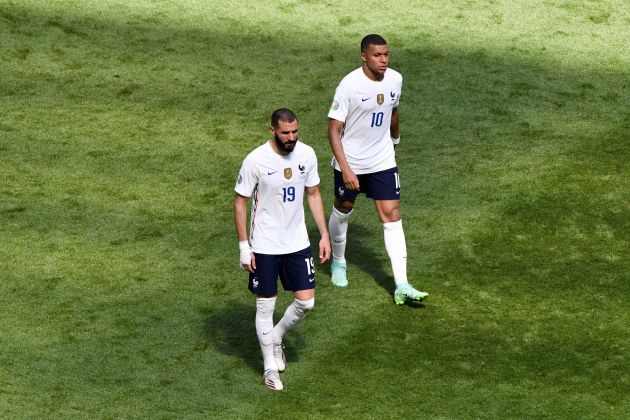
column 363, row 128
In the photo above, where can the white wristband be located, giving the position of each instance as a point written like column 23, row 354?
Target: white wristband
column 396, row 141
column 243, row 245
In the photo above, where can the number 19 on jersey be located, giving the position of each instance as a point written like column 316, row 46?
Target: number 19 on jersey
column 288, row 194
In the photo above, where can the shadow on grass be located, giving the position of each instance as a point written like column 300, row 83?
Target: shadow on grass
column 365, row 250
column 468, row 107
column 364, row 255
column 232, row 331
column 361, row 255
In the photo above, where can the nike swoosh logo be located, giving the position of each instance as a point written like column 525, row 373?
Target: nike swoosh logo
column 271, row 172
column 311, row 280
column 265, row 333
column 364, row 99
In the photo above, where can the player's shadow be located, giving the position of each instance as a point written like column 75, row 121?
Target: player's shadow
column 361, row 253
column 374, row 264
column 363, row 257
column 232, row 331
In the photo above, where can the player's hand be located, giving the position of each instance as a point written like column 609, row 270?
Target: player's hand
column 251, row 266
column 324, row 249
column 247, row 259
column 350, row 180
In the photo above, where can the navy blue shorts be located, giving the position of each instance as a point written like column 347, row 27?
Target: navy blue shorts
column 383, row 185
column 296, row 272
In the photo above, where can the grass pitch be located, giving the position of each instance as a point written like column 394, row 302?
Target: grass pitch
column 122, row 129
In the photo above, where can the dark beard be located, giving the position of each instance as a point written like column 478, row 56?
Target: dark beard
column 283, row 147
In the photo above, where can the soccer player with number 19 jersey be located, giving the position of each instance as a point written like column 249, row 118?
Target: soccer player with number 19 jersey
column 277, row 176
column 363, row 129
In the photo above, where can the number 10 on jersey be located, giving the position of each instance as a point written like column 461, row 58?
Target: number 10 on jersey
column 377, row 119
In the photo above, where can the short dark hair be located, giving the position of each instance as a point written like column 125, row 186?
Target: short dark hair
column 282, row 114
column 372, row 39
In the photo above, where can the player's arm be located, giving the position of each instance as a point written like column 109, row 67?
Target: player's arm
column 335, row 128
column 247, row 260
column 316, row 205
column 394, row 128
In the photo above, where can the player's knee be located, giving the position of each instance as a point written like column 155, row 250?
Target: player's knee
column 390, row 215
column 344, row 207
column 304, row 305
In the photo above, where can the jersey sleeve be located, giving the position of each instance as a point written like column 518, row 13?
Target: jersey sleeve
column 312, row 177
column 247, row 179
column 341, row 103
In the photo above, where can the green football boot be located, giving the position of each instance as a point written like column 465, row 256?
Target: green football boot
column 406, row 293
column 338, row 271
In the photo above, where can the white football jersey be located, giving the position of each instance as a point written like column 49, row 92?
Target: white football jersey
column 365, row 106
column 276, row 184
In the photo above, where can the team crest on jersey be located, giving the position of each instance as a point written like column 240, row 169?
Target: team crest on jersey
column 288, row 173
column 380, row 98
column 301, row 168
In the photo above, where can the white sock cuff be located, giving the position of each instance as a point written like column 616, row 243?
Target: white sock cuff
column 393, row 225
column 265, row 305
column 339, row 215
column 304, row 305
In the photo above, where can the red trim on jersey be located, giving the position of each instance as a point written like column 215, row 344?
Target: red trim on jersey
column 254, row 207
